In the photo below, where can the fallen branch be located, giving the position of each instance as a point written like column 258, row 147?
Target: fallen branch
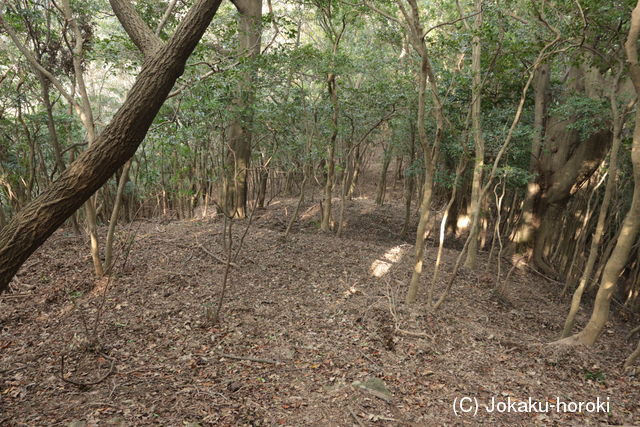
column 249, row 358
column 355, row 417
column 414, row 334
column 81, row 384
column 216, row 257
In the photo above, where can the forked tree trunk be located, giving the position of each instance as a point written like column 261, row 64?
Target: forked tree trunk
column 117, row 143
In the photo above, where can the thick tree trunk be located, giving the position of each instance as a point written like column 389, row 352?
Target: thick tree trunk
column 30, row 227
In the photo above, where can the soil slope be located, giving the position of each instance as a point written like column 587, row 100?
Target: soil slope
column 303, row 320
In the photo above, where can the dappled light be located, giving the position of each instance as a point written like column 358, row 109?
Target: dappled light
column 325, row 212
column 380, row 267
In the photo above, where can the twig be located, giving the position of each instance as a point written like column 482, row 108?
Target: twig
column 355, row 416
column 413, row 334
column 633, row 332
column 83, row 385
column 214, row 256
column 249, row 358
column 12, row 296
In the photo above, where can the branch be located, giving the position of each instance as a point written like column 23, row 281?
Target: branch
column 466, row 24
column 382, row 12
column 463, row 18
column 631, row 47
column 165, row 17
column 33, row 61
column 136, row 28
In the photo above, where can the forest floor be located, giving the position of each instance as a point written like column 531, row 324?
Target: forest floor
column 307, row 334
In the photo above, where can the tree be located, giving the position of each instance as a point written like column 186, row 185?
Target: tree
column 631, row 224
column 163, row 64
column 478, row 140
column 234, row 195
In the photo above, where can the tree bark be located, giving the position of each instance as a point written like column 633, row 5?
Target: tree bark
column 618, row 121
column 117, row 143
column 478, row 140
column 430, row 150
column 108, row 246
column 382, row 184
column 332, row 88
column 631, row 224
column 240, row 131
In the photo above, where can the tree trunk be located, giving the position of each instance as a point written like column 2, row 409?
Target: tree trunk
column 410, row 182
column 117, row 143
column 108, row 247
column 631, row 224
column 476, row 184
column 618, row 120
column 328, row 186
column 382, row 184
column 240, row 130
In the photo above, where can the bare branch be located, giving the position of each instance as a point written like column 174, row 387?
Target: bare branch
column 165, row 16
column 443, row 24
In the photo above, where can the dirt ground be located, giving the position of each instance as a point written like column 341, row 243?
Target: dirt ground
column 308, row 328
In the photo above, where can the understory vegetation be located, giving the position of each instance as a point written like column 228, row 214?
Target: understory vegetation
column 414, row 165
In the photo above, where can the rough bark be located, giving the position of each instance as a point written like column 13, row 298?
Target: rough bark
column 561, row 160
column 525, row 231
column 30, row 227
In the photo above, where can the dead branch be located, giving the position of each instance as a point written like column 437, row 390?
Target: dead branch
column 633, row 332
column 249, row 358
column 81, row 384
column 216, row 257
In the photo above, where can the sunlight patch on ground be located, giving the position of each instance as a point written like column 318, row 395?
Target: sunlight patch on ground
column 311, row 212
column 380, row 267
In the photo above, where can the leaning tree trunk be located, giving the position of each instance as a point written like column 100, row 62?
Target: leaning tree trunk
column 430, row 151
column 117, row 143
column 631, row 224
column 618, row 121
